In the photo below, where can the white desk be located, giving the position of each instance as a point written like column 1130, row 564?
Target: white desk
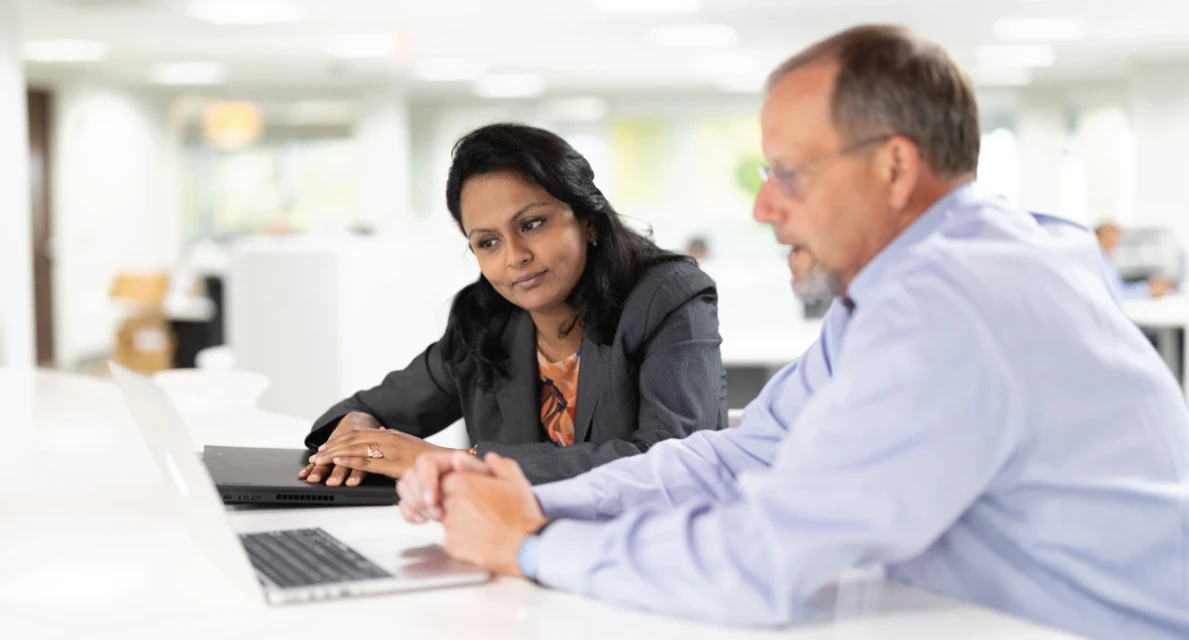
column 759, row 318
column 1165, row 316
column 769, row 349
column 752, row 357
column 92, row 552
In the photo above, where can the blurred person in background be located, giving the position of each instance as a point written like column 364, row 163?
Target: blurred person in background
column 978, row 417
column 1109, row 234
column 698, row 248
column 582, row 342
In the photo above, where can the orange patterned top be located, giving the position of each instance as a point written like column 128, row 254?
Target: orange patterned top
column 559, row 397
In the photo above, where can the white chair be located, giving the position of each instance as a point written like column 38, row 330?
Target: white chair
column 220, row 358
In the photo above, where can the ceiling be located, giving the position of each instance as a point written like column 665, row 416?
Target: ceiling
column 570, row 43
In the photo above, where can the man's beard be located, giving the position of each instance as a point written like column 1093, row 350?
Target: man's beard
column 815, row 286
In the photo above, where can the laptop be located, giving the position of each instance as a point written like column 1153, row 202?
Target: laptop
column 335, row 560
column 253, row 475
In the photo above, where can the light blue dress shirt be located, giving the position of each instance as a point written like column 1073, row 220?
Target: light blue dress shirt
column 1124, row 290
column 985, row 425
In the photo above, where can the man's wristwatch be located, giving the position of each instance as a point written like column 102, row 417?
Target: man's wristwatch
column 526, row 556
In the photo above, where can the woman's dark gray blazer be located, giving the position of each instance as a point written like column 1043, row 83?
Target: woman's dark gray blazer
column 660, row 377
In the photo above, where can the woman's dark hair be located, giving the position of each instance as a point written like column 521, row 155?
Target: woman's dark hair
column 479, row 313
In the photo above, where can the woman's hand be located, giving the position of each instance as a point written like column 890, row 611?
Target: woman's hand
column 363, row 451
column 335, row 476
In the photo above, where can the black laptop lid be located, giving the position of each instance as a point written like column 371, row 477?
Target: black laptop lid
column 269, row 476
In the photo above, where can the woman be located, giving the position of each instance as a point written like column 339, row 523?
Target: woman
column 565, row 288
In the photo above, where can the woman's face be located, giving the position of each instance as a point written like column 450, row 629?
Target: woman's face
column 531, row 247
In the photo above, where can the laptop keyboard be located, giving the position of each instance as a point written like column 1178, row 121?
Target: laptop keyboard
column 305, row 557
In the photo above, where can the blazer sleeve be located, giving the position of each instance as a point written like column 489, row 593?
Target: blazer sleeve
column 682, row 387
column 420, row 400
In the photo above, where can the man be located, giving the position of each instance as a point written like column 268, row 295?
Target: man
column 977, row 417
column 698, row 249
column 1108, row 235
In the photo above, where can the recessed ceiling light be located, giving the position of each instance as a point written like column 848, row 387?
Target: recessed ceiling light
column 1040, row 29
column 509, row 85
column 63, row 51
column 648, row 7
column 241, row 12
column 362, row 45
column 188, row 73
column 1016, row 55
column 449, row 69
column 693, row 36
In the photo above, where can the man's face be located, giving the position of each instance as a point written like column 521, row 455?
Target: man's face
column 1108, row 238
column 811, row 284
column 837, row 217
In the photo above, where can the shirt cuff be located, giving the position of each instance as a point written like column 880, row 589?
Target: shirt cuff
column 571, row 499
column 566, row 552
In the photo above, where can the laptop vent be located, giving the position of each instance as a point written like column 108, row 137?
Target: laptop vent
column 298, row 497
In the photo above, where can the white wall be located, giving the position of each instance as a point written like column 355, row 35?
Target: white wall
column 1077, row 150
column 17, row 344
column 1160, row 108
column 436, row 128
column 1109, row 152
column 326, row 317
column 115, row 206
column 385, row 158
column 1040, row 130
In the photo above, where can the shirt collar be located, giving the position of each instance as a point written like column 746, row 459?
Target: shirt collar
column 867, row 281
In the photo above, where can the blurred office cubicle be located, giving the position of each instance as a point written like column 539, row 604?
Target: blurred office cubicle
column 310, row 147
column 1144, row 252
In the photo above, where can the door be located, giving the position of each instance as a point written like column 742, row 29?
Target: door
column 40, row 105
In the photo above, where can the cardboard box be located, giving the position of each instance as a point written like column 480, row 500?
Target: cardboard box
column 144, row 339
column 144, row 343
column 140, row 291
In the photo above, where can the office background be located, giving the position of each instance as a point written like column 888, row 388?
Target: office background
column 291, row 155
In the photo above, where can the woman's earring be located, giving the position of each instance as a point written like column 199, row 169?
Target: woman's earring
column 594, row 243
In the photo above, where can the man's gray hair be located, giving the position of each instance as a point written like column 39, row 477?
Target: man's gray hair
column 892, row 81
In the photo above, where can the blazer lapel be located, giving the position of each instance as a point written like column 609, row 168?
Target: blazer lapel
column 517, row 395
column 591, row 372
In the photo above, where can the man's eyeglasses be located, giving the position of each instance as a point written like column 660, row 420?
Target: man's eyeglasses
column 786, row 178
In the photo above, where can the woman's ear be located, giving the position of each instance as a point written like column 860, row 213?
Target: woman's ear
column 592, row 234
